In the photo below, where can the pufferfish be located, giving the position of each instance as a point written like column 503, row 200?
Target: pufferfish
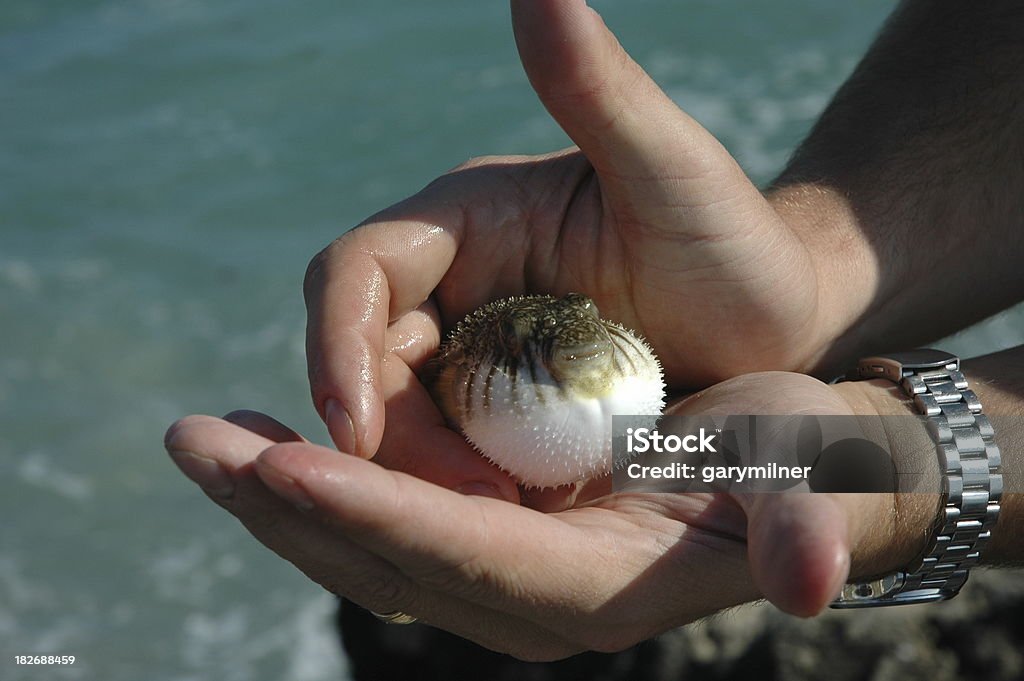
column 533, row 383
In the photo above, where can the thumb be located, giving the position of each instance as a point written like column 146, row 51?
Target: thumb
column 621, row 120
column 799, row 549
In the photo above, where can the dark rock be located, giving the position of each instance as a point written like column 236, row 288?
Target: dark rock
column 978, row 635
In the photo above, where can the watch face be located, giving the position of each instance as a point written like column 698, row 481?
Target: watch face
column 923, row 358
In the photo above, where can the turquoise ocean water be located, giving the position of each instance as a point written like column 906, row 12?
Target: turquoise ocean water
column 167, row 168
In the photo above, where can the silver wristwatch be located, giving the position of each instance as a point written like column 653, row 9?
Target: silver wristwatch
column 972, row 481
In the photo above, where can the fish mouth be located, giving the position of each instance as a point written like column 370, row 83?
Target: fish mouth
column 585, row 352
column 571, row 361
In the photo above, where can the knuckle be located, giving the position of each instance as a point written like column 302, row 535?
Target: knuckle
column 384, row 593
column 472, row 163
column 319, row 266
column 449, row 582
column 314, row 271
column 384, row 590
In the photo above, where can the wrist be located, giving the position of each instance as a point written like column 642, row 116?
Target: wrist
column 998, row 380
column 900, row 524
column 846, row 266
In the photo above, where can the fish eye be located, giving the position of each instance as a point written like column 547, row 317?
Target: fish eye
column 585, row 305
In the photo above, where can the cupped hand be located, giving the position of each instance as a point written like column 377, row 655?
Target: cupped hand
column 538, row 586
column 604, row 575
column 650, row 216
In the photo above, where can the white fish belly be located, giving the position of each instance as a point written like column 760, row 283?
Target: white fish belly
column 546, row 437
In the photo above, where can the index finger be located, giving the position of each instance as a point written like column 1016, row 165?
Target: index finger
column 353, row 289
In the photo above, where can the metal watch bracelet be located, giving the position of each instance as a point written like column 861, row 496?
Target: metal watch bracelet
column 972, row 481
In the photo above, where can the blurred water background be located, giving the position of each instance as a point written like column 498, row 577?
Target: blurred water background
column 167, row 169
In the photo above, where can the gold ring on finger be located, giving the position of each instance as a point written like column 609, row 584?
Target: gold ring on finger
column 396, row 617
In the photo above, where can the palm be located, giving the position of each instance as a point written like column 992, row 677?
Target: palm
column 622, row 557
column 646, row 266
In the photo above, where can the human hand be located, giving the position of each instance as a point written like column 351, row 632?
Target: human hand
column 538, row 586
column 611, row 572
column 651, row 218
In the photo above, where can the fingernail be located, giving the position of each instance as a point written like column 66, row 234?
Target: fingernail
column 339, row 424
column 480, row 489
column 284, row 486
column 205, row 472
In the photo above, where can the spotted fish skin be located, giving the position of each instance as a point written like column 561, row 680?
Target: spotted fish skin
column 533, row 383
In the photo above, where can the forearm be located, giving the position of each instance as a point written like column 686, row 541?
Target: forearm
column 908, row 191
column 998, row 380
